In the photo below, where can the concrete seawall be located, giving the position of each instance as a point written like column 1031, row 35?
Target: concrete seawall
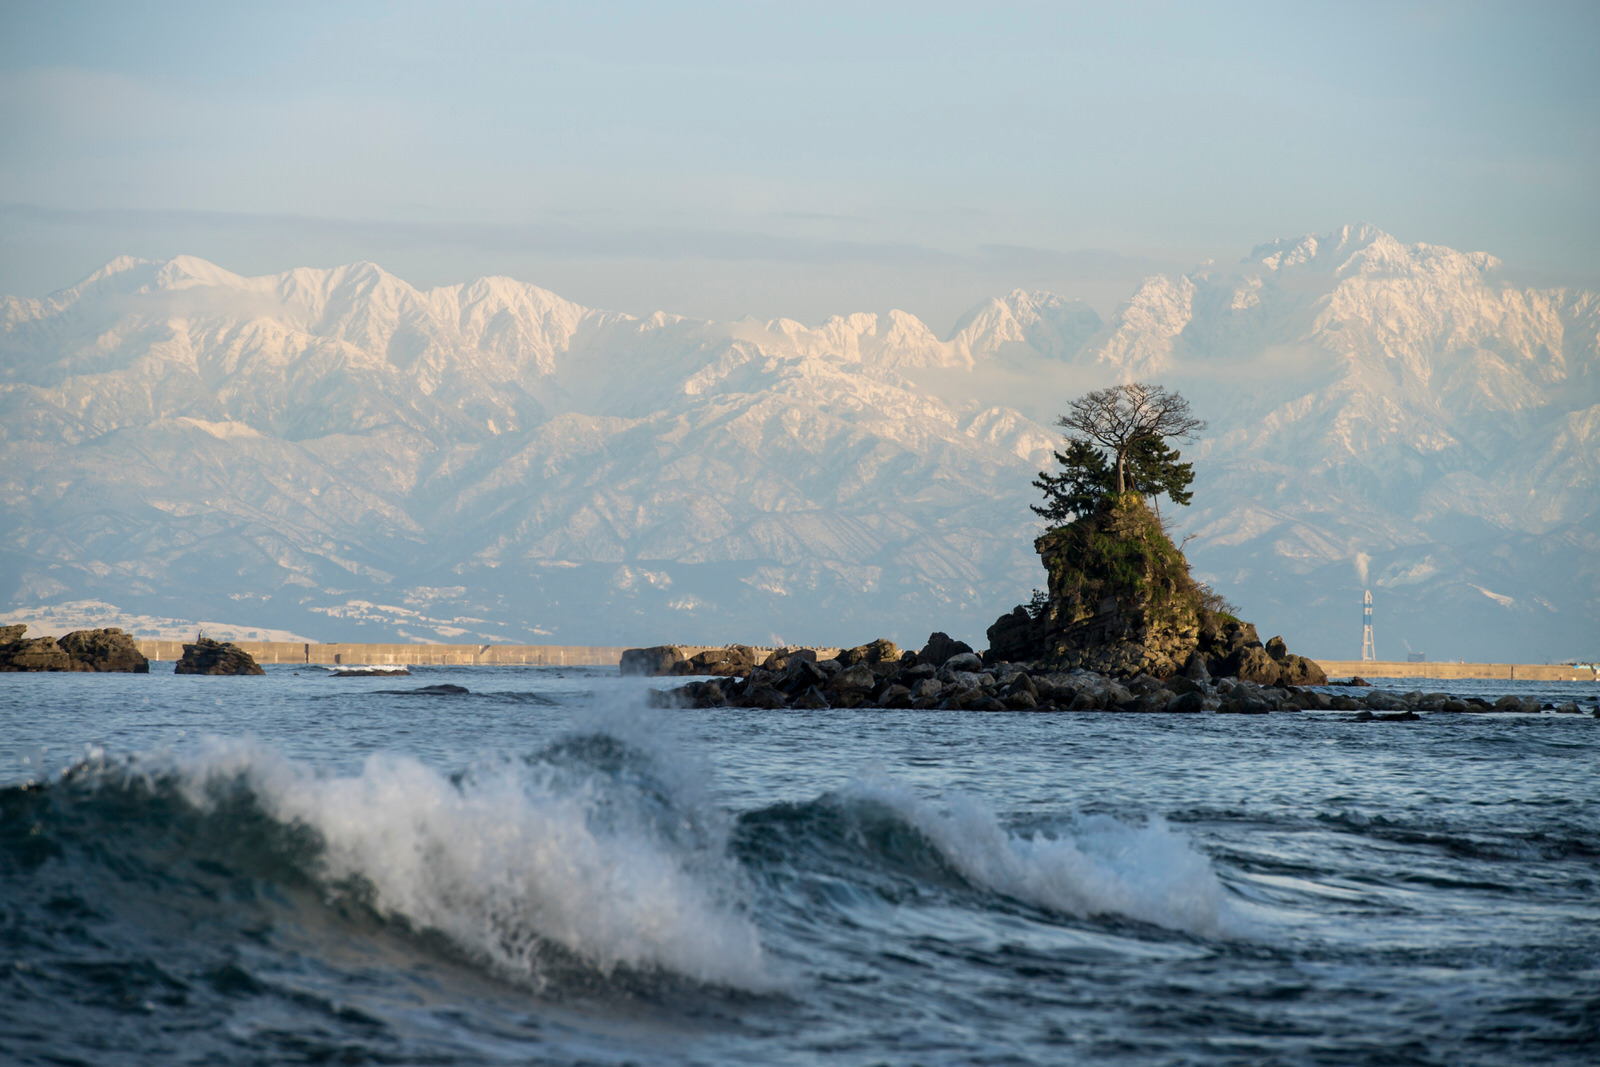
column 1520, row 672
column 601, row 655
column 406, row 654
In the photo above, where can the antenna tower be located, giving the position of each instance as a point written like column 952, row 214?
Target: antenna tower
column 1368, row 653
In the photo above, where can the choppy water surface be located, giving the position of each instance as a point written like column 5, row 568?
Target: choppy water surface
column 298, row 868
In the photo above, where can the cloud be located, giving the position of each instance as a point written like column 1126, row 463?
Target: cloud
column 569, row 240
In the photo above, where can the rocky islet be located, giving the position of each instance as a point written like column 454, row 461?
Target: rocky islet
column 208, row 656
column 103, row 650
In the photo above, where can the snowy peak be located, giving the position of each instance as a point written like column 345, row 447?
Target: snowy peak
column 1047, row 324
column 1364, row 251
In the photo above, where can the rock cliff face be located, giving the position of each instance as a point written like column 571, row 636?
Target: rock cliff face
column 1121, row 602
column 1120, row 598
column 83, row 650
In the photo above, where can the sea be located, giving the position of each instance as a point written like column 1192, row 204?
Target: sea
column 540, row 867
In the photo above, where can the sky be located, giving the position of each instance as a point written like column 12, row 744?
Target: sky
column 799, row 159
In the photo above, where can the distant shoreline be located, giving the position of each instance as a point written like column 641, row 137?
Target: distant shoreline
column 343, row 654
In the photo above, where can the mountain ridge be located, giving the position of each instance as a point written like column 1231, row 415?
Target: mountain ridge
column 337, row 436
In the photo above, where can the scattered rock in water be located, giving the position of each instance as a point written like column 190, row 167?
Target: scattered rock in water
column 1399, row 716
column 368, row 672
column 206, row 656
column 428, row 691
column 107, row 650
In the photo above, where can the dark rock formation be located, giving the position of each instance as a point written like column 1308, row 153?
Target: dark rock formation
column 652, row 662
column 781, row 658
column 734, row 661
column 879, row 651
column 941, row 647
column 444, row 690
column 1121, row 602
column 206, row 656
column 106, row 650
column 82, row 650
column 964, row 683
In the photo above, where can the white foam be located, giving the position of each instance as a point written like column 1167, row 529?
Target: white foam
column 508, row 858
column 1101, row 867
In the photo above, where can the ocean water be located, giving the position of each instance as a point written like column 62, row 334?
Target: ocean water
column 303, row 869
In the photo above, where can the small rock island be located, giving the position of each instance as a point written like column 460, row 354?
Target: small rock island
column 106, row 650
column 1122, row 627
column 206, row 656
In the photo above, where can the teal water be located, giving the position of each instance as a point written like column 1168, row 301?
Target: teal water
column 298, row 869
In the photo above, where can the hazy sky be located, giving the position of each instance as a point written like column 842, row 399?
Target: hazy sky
column 791, row 158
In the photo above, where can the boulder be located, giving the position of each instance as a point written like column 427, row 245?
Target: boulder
column 941, row 647
column 761, row 696
column 1277, row 649
column 895, row 696
column 811, row 699
column 962, row 662
column 206, row 656
column 874, row 652
column 1298, row 670
column 1251, row 663
column 1190, row 703
column 855, row 679
column 1021, row 700
column 784, row 656
column 652, row 662
column 734, row 661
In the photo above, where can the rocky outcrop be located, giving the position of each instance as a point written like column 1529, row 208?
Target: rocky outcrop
column 941, row 647
column 107, row 650
column 206, row 656
column 1120, row 599
column 732, row 661
column 965, row 683
column 1121, row 602
column 652, row 662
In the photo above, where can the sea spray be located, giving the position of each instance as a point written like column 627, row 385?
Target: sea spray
column 509, row 859
column 1097, row 866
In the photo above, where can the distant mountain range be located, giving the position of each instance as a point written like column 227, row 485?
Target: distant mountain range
column 336, row 454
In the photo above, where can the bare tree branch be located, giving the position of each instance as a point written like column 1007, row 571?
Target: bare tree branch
column 1121, row 415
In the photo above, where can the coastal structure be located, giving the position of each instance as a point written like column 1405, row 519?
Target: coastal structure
column 1369, row 652
column 343, row 653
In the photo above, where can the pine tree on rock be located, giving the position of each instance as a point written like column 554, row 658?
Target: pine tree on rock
column 1118, row 443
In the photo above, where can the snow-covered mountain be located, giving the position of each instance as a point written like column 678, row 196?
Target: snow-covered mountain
column 336, row 453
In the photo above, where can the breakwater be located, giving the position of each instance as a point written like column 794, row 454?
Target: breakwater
column 340, row 653
column 1519, row 672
